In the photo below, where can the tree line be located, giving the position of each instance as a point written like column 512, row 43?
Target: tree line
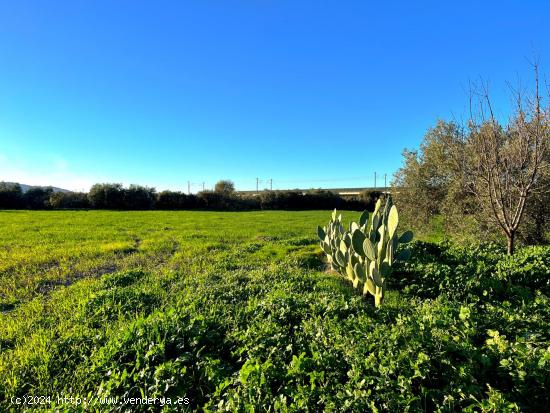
column 489, row 176
column 114, row 196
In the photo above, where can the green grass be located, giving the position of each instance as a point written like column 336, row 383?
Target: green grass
column 235, row 312
column 40, row 251
column 435, row 231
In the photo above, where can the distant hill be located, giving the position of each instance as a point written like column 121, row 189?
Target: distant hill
column 25, row 188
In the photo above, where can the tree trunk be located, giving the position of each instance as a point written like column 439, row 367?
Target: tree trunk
column 511, row 237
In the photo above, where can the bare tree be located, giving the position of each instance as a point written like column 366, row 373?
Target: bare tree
column 508, row 161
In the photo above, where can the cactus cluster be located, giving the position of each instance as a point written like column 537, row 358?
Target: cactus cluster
column 366, row 252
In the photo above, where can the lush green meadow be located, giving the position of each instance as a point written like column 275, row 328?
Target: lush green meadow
column 41, row 250
column 235, row 312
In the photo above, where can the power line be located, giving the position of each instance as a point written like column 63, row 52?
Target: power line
column 268, row 183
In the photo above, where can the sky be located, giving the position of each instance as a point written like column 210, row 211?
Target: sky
column 309, row 94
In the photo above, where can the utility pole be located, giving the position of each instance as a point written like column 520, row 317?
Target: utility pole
column 257, row 182
column 385, row 186
column 188, row 188
column 203, row 186
column 271, row 184
column 375, row 179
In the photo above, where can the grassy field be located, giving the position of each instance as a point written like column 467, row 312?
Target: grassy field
column 40, row 251
column 235, row 312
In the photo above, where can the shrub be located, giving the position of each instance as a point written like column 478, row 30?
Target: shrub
column 37, row 197
column 107, row 196
column 11, row 196
column 529, row 267
column 224, row 187
column 221, row 201
column 62, row 200
column 369, row 198
column 139, row 197
column 170, row 200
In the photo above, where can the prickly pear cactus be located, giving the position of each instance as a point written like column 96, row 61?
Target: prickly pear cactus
column 331, row 237
column 366, row 252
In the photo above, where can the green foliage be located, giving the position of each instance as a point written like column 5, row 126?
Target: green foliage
column 428, row 176
column 535, row 227
column 106, row 196
column 366, row 253
column 172, row 200
column 115, row 196
column 136, row 197
column 69, row 200
column 139, row 197
column 232, row 311
column 300, row 200
column 529, row 267
column 436, row 183
column 224, row 201
column 37, row 198
column 369, row 198
column 11, row 196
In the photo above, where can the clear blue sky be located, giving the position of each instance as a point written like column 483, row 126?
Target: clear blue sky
column 160, row 93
